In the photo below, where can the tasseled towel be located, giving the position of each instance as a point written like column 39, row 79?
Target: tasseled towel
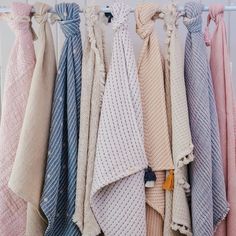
column 16, row 90
column 156, row 136
column 28, row 170
column 118, row 193
column 182, row 147
column 225, row 104
column 93, row 81
column 208, row 197
column 58, row 198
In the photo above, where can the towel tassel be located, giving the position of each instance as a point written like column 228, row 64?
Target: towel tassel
column 169, row 183
column 149, row 177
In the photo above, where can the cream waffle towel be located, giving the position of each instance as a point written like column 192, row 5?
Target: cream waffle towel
column 28, row 171
column 156, row 136
column 93, row 81
column 118, row 193
column 182, row 147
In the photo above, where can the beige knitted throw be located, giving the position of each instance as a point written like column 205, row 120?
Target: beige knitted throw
column 28, row 171
column 93, row 81
column 156, row 136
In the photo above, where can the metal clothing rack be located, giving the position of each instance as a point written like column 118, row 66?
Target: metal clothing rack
column 107, row 10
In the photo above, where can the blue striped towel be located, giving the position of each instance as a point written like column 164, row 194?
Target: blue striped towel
column 58, row 199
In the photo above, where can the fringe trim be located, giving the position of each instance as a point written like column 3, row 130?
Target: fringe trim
column 185, row 160
column 222, row 218
column 182, row 229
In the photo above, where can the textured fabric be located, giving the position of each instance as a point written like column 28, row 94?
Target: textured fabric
column 182, row 147
column 225, row 104
column 156, row 136
column 58, row 198
column 118, row 194
column 208, row 198
column 16, row 90
column 93, row 79
column 28, row 170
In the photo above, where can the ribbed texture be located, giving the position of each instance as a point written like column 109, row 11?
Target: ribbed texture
column 209, row 205
column 16, row 90
column 118, row 196
column 156, row 136
column 58, row 198
column 93, row 79
column 225, row 104
column 182, row 146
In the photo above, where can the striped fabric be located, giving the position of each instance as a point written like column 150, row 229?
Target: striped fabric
column 93, row 82
column 117, row 196
column 58, row 198
column 156, row 136
column 225, row 103
column 16, row 90
column 208, row 203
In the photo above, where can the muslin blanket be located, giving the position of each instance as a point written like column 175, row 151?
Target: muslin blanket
column 208, row 197
column 58, row 198
column 182, row 147
column 156, row 136
column 225, row 104
column 93, row 82
column 118, row 193
column 16, row 90
column 28, row 170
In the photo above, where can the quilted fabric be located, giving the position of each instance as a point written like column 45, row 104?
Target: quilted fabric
column 118, row 194
column 16, row 90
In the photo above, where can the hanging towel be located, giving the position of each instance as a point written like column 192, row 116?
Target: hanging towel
column 208, row 197
column 117, row 196
column 225, row 104
column 29, row 167
column 58, row 198
column 156, row 136
column 16, row 90
column 182, row 147
column 93, row 82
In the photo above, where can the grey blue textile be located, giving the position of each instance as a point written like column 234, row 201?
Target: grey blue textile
column 208, row 197
column 58, row 198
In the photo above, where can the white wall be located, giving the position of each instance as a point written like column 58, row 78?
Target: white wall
column 7, row 37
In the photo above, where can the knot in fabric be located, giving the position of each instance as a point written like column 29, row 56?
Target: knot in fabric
column 216, row 12
column 41, row 12
column 193, row 16
column 69, row 14
column 41, row 19
column 120, row 12
column 146, row 14
column 92, row 15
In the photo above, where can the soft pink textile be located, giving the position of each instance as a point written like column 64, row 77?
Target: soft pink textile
column 18, row 79
column 220, row 69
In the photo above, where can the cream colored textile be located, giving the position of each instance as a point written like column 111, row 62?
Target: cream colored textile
column 28, row 171
column 156, row 136
column 93, row 81
column 182, row 146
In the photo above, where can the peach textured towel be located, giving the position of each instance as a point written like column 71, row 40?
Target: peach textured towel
column 118, row 193
column 93, row 82
column 156, row 136
column 16, row 90
column 225, row 104
column 29, row 168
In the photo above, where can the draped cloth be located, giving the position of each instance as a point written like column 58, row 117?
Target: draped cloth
column 93, row 81
column 58, row 198
column 156, row 136
column 225, row 104
column 208, row 197
column 16, row 90
column 182, row 147
column 29, row 167
column 118, row 194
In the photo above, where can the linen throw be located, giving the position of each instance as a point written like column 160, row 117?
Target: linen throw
column 16, row 90
column 58, row 198
column 182, row 147
column 29, row 168
column 225, row 104
column 93, row 82
column 208, row 198
column 156, row 136
column 118, row 194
